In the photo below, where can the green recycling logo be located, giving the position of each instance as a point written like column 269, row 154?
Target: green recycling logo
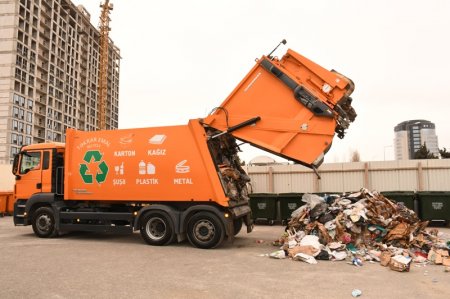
column 100, row 176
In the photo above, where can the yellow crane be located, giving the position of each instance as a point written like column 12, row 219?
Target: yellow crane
column 103, row 63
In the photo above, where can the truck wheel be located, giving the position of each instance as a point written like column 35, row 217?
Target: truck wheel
column 156, row 228
column 237, row 224
column 43, row 222
column 205, row 230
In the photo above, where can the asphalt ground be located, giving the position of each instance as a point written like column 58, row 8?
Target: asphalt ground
column 92, row 265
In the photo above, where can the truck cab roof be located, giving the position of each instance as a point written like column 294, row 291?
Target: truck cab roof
column 47, row 145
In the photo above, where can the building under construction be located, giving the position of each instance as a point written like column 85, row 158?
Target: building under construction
column 49, row 74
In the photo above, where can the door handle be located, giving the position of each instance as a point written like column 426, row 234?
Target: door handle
column 39, row 186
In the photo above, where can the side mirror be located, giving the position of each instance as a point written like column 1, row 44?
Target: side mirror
column 15, row 164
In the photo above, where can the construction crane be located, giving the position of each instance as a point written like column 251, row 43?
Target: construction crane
column 103, row 63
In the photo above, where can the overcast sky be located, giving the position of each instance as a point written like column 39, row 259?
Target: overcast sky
column 180, row 59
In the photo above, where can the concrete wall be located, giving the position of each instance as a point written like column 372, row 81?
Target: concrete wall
column 6, row 178
column 405, row 175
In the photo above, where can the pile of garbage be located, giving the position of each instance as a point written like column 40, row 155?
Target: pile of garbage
column 359, row 227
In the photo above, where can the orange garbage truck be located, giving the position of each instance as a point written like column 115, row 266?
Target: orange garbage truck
column 177, row 182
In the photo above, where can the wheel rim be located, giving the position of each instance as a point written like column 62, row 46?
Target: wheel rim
column 204, row 230
column 156, row 228
column 44, row 223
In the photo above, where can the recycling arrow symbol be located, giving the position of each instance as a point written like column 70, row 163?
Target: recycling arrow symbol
column 100, row 176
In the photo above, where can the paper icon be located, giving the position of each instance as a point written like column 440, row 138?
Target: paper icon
column 157, row 139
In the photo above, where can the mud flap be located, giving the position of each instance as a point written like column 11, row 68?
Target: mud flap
column 245, row 213
column 249, row 222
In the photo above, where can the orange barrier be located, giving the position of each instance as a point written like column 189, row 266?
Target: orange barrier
column 10, row 204
column 6, row 203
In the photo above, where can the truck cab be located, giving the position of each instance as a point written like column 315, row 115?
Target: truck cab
column 38, row 170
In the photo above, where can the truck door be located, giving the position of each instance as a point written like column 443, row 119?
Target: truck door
column 46, row 178
column 29, row 174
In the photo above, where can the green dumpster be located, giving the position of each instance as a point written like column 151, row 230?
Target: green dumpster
column 405, row 197
column 263, row 206
column 289, row 202
column 434, row 205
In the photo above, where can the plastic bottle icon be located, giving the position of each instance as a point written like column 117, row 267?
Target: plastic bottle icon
column 142, row 167
column 150, row 168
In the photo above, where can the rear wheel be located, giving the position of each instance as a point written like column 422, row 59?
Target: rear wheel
column 205, row 230
column 43, row 222
column 156, row 228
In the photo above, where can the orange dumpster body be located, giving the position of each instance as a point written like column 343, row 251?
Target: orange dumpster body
column 148, row 164
column 3, row 202
column 178, row 182
column 6, row 202
column 300, row 104
column 10, row 203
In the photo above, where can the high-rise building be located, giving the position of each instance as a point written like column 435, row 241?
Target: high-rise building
column 49, row 62
column 410, row 135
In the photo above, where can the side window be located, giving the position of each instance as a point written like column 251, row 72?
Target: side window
column 46, row 160
column 30, row 161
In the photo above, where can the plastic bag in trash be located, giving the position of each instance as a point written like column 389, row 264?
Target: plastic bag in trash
column 279, row 254
column 325, row 218
column 312, row 199
column 305, row 258
column 339, row 255
column 311, row 240
column 299, row 211
column 318, row 210
column 323, row 255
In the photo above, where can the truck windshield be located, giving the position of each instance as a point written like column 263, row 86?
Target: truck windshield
column 30, row 161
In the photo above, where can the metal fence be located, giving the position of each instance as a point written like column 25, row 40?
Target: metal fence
column 408, row 175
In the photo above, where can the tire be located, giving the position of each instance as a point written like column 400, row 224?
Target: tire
column 205, row 230
column 43, row 221
column 157, row 228
column 237, row 225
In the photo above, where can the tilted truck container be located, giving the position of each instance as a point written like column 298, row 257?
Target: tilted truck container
column 183, row 181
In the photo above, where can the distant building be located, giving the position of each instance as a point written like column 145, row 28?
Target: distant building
column 410, row 135
column 49, row 61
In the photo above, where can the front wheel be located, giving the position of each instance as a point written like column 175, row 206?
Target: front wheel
column 43, row 222
column 156, row 228
column 205, row 230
